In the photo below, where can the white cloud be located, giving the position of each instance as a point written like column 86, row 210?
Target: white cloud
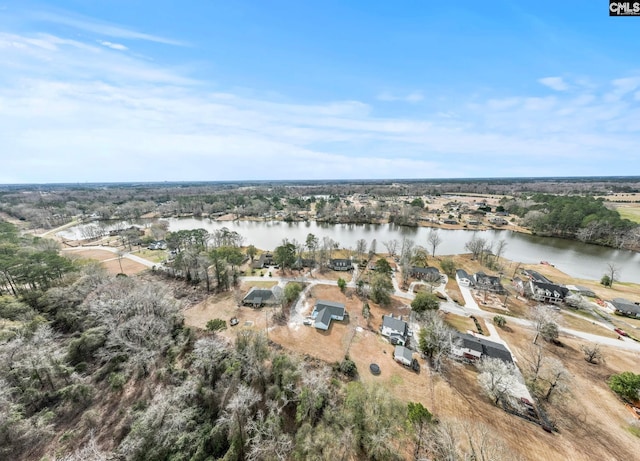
column 114, row 46
column 64, row 102
column 555, row 83
column 102, row 28
column 413, row 97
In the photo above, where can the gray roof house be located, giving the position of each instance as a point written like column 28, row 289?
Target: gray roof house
column 474, row 348
column 341, row 264
column 425, row 273
column 488, row 282
column 395, row 329
column 326, row 311
column 626, row 307
column 463, row 278
column 548, row 292
column 258, row 297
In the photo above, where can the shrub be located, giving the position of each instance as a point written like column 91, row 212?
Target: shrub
column 216, row 325
column 626, row 385
column 117, row 381
column 348, row 367
column 500, row 321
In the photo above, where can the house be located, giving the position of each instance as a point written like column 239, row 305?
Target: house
column 473, row 348
column 258, row 297
column 395, row 329
column 449, row 221
column 625, row 307
column 463, row 278
column 265, row 259
column 326, row 311
column 491, row 283
column 158, row 245
column 547, row 292
column 340, row 264
column 403, row 355
column 474, row 222
column 303, row 262
column 498, row 221
column 536, row 276
column 430, row 274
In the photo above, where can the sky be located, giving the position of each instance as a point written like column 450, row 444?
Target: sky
column 118, row 91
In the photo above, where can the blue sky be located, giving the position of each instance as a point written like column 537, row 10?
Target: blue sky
column 217, row 90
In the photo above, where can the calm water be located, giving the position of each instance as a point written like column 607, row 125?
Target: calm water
column 575, row 258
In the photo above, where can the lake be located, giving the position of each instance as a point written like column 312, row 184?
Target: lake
column 577, row 259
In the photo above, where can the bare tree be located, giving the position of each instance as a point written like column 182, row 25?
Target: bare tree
column 545, row 323
column 373, row 248
column 613, row 271
column 361, row 248
column 592, row 353
column 497, row 378
column 436, row 339
column 267, row 439
column 237, row 412
column 533, row 358
column 391, row 246
column 434, row 241
column 557, row 378
column 500, row 246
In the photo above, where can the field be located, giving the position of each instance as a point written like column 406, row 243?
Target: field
column 109, row 260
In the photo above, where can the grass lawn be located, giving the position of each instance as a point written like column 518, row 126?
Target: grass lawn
column 630, row 211
column 155, row 256
column 584, row 324
column 462, row 324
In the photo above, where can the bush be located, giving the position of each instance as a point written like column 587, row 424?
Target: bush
column 500, row 321
column 605, row 280
column 425, row 302
column 348, row 367
column 626, row 385
column 448, row 267
column 216, row 325
column 117, row 381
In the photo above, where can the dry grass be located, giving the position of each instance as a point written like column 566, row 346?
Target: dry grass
column 109, row 260
column 587, row 430
column 586, row 325
column 155, row 256
column 464, row 324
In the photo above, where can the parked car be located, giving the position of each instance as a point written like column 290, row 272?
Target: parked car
column 234, row 321
column 308, row 321
column 620, row 332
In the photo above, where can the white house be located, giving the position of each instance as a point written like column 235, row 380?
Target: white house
column 403, row 355
column 395, row 329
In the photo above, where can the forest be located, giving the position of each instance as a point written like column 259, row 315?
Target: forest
column 584, row 218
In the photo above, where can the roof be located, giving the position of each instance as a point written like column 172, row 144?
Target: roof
column 324, row 311
column 259, row 296
column 624, row 305
column 536, row 276
column 462, row 274
column 393, row 323
column 486, row 347
column 564, row 291
column 403, row 352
